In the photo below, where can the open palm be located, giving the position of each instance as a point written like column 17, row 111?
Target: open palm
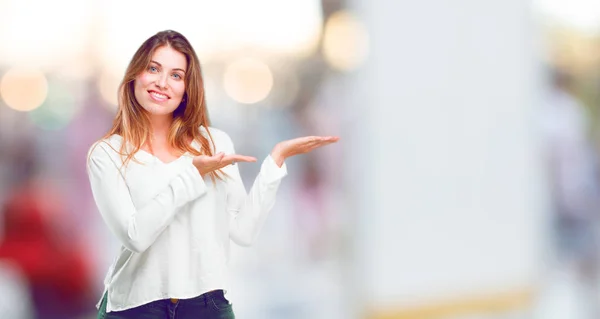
column 300, row 145
column 206, row 164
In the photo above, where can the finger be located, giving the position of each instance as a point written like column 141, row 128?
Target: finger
column 328, row 139
column 307, row 139
column 314, row 138
column 238, row 158
column 319, row 139
column 243, row 158
column 320, row 144
column 326, row 143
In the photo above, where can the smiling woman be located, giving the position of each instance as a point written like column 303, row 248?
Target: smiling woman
column 160, row 88
column 148, row 180
column 156, row 82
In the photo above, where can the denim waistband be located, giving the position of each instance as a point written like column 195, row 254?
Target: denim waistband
column 211, row 294
column 207, row 296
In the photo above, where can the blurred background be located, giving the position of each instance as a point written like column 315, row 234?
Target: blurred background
column 465, row 184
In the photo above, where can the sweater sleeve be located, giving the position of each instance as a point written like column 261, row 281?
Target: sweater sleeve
column 138, row 227
column 248, row 211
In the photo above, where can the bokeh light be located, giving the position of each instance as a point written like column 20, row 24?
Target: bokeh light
column 345, row 41
column 58, row 109
column 23, row 89
column 286, row 89
column 248, row 80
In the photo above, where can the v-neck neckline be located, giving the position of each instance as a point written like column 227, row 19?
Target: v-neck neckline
column 155, row 158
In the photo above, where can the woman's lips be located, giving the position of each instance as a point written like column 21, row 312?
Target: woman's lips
column 158, row 97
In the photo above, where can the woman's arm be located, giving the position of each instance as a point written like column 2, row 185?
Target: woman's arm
column 138, row 228
column 248, row 211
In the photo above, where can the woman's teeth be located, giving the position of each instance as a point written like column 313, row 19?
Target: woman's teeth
column 158, row 96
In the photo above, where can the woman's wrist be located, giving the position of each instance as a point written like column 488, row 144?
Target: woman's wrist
column 278, row 156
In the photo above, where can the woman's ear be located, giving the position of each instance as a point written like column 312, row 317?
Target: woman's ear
column 182, row 106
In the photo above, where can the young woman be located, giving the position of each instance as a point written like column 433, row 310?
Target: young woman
column 167, row 186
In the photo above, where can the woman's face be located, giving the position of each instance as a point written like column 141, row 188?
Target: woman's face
column 160, row 88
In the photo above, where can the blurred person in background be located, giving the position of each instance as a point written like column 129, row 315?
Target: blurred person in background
column 167, row 186
column 52, row 264
column 572, row 163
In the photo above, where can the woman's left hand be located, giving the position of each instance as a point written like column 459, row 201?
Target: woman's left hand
column 300, row 145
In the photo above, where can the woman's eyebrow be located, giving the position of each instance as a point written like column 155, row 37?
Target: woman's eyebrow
column 177, row 69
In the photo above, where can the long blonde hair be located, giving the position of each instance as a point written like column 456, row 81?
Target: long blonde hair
column 132, row 122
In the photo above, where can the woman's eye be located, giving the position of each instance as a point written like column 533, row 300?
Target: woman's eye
column 177, row 76
column 152, row 69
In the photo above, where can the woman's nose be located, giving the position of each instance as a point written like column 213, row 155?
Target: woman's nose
column 161, row 82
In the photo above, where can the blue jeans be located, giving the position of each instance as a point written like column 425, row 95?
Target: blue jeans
column 211, row 305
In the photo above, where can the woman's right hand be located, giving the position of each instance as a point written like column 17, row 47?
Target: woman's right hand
column 206, row 164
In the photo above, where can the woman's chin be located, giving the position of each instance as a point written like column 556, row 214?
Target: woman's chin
column 157, row 109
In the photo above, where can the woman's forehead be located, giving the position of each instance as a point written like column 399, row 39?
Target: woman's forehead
column 170, row 58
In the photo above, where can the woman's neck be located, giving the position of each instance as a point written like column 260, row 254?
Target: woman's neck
column 160, row 126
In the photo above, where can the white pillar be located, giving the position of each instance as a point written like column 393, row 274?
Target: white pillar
column 444, row 161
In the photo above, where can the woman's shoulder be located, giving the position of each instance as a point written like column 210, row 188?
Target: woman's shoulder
column 106, row 146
